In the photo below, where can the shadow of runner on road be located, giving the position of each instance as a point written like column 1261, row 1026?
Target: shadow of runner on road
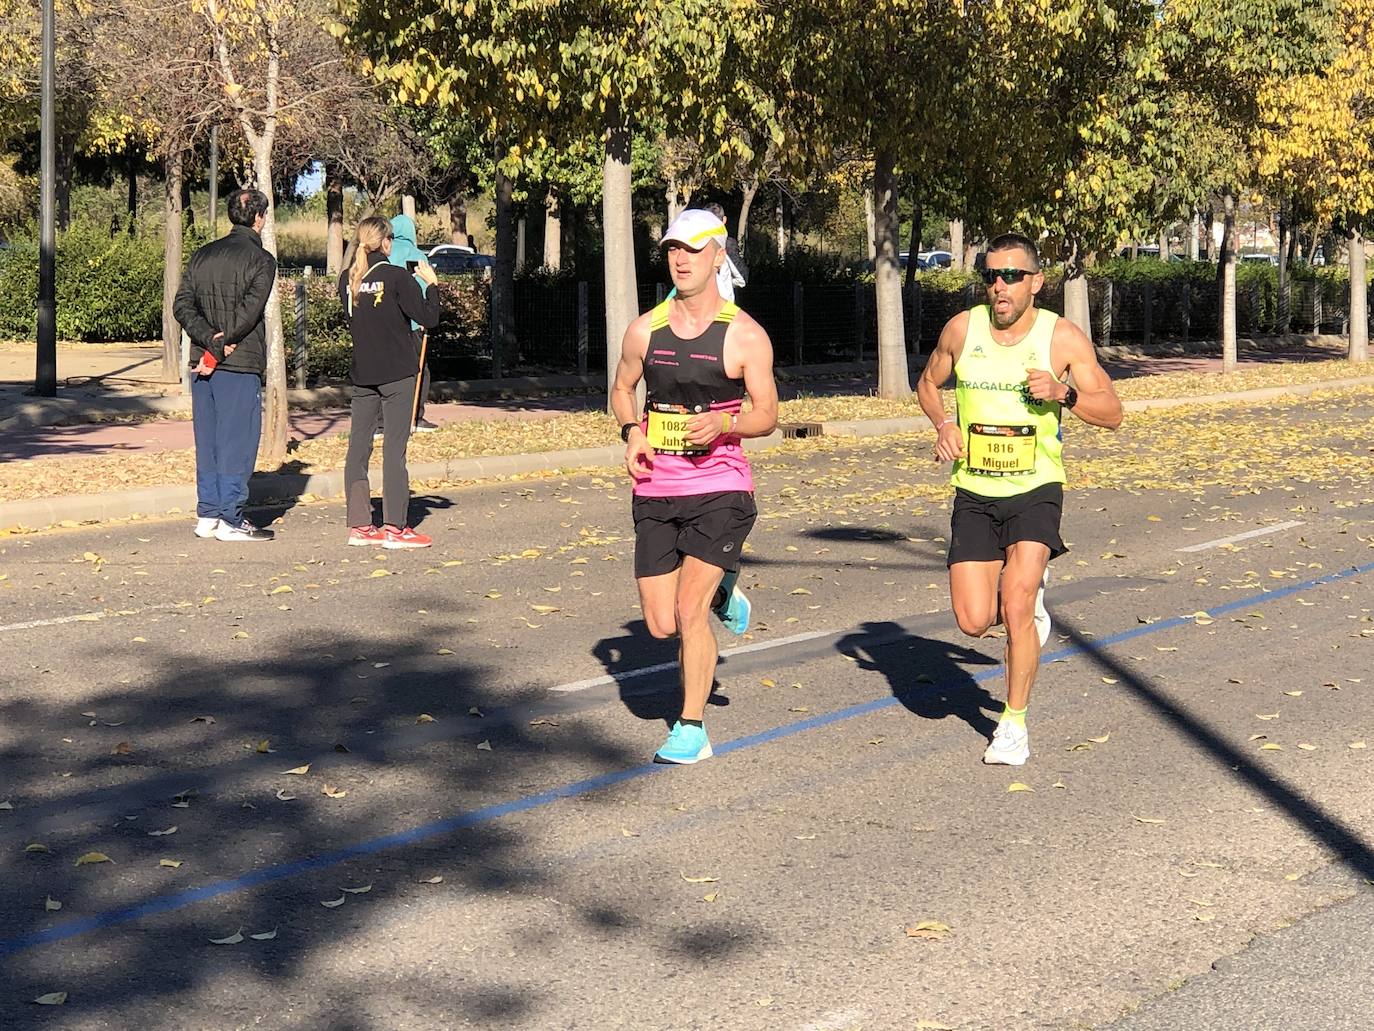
column 929, row 677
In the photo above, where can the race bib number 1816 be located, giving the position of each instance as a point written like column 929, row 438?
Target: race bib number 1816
column 1001, row 450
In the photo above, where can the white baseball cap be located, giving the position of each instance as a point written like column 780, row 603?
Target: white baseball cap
column 695, row 228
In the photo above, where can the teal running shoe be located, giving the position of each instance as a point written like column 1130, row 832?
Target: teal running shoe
column 686, row 744
column 734, row 611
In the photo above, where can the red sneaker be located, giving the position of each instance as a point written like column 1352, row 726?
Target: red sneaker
column 362, row 536
column 406, row 538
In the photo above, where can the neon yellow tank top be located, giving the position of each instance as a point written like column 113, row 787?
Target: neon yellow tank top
column 1011, row 441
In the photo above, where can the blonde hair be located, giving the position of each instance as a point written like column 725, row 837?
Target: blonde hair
column 372, row 233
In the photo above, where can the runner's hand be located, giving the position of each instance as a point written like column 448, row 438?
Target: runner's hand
column 1043, row 386
column 639, row 456
column 949, row 442
column 705, row 427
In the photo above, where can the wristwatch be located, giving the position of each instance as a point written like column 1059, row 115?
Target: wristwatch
column 1070, row 399
column 625, row 431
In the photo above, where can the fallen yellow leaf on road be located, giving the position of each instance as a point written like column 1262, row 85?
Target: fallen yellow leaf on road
column 330, row 791
column 1101, row 740
column 1018, row 786
column 233, row 939
column 169, row 863
column 929, row 930
column 37, row 846
column 363, row 890
column 484, row 746
column 264, row 936
column 1270, row 746
column 93, row 857
column 698, row 880
column 1306, row 747
column 163, row 833
column 424, row 717
column 51, row 904
column 52, row 999
column 1146, row 819
column 299, row 771
column 283, row 589
column 336, row 903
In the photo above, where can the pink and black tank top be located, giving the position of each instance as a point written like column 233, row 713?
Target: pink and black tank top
column 683, row 378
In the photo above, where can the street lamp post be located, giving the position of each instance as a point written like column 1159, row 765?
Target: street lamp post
column 45, row 379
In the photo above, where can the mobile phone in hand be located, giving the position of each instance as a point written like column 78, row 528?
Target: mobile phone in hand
column 411, row 266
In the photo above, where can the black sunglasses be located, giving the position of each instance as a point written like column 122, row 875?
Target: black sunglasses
column 1010, row 276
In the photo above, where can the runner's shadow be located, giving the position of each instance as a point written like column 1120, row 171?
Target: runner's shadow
column 657, row 693
column 927, row 676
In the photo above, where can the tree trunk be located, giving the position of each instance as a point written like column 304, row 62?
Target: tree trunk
column 66, row 158
column 918, row 221
column 751, row 190
column 334, row 216
column 622, row 301
column 553, row 231
column 782, row 225
column 520, row 259
column 458, row 219
column 1194, row 229
column 956, row 243
column 1164, row 245
column 1359, row 299
column 671, row 193
column 894, row 380
column 1076, row 307
column 131, row 175
column 871, row 224
column 1283, row 302
column 408, row 205
column 1228, row 284
column 502, row 316
column 174, row 206
column 272, row 451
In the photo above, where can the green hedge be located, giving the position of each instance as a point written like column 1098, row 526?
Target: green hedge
column 108, row 287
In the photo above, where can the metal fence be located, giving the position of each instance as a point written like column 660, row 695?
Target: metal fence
column 560, row 325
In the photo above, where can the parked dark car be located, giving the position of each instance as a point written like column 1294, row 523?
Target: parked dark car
column 448, row 263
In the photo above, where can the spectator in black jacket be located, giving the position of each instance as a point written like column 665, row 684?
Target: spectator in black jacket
column 220, row 305
column 381, row 301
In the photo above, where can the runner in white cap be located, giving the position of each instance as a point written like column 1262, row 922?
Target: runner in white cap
column 698, row 355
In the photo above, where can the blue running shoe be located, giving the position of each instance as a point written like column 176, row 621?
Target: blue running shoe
column 686, row 744
column 734, row 613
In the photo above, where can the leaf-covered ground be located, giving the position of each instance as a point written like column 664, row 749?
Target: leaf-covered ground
column 1160, row 454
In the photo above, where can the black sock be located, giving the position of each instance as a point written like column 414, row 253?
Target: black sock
column 691, row 723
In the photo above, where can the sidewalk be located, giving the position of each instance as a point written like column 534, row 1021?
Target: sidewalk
column 117, row 372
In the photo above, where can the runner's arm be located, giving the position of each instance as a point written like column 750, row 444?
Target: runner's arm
column 1072, row 351
column 762, row 388
column 949, row 442
column 639, row 456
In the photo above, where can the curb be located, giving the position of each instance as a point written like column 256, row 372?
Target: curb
column 263, row 488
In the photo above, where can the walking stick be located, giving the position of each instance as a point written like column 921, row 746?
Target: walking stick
column 419, row 380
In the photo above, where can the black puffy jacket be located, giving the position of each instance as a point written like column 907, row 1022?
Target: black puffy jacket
column 225, row 289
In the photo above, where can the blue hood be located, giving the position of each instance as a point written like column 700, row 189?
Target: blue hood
column 403, row 248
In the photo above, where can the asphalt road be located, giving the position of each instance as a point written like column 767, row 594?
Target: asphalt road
column 473, row 726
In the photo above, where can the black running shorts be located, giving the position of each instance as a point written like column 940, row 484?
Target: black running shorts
column 982, row 528
column 710, row 527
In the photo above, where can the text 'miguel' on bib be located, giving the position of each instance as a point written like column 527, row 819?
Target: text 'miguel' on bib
column 668, row 431
column 1001, row 450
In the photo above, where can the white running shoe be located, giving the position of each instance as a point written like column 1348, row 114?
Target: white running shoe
column 244, row 531
column 1042, row 617
column 206, row 527
column 1010, row 745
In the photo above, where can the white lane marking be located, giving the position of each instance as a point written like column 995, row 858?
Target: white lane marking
column 837, row 1020
column 1276, row 528
column 631, row 674
column 91, row 617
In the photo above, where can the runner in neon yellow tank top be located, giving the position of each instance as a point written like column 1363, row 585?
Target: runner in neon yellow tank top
column 1011, row 361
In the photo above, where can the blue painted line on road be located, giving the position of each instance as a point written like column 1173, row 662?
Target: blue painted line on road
column 269, row 875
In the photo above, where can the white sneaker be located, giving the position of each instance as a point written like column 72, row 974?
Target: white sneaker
column 1042, row 617
column 244, row 531
column 206, row 527
column 1010, row 745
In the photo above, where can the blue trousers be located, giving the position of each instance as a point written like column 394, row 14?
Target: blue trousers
column 226, row 411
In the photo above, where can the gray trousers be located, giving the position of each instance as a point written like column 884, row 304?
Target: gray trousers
column 391, row 403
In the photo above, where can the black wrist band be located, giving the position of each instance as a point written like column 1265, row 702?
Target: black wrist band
column 625, row 431
column 1071, row 398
